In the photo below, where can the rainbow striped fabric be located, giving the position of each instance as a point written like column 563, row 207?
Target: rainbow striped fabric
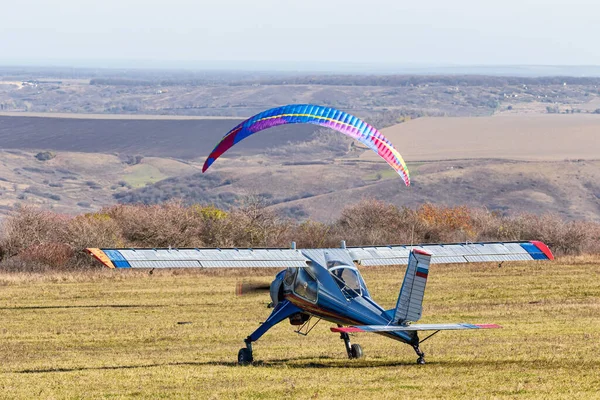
column 319, row 115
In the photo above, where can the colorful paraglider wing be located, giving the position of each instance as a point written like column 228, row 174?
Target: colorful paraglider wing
column 319, row 115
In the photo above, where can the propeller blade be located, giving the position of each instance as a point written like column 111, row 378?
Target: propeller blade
column 242, row 288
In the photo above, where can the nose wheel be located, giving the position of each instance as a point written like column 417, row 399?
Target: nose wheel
column 421, row 359
column 245, row 355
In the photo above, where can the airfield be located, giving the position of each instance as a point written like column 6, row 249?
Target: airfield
column 128, row 334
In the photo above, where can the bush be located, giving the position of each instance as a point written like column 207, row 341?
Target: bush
column 33, row 239
column 45, row 155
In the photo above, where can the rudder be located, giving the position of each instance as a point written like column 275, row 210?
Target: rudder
column 410, row 301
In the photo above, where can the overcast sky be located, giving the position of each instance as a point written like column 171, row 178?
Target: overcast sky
column 378, row 32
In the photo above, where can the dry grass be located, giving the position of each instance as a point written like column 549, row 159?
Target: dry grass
column 115, row 334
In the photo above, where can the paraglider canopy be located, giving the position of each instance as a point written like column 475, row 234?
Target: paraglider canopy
column 319, row 115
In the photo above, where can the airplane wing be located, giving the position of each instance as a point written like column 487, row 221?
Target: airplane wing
column 283, row 258
column 199, row 258
column 453, row 253
column 413, row 327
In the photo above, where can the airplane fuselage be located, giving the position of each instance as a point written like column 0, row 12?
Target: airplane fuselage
column 343, row 307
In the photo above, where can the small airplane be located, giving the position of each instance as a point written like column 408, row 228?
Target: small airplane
column 326, row 283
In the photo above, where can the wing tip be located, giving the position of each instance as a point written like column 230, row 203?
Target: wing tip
column 543, row 248
column 208, row 163
column 101, row 256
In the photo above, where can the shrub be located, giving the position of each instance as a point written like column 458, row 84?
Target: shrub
column 33, row 239
column 45, row 155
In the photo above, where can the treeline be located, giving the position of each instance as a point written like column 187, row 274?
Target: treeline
column 34, row 239
column 146, row 82
column 433, row 80
column 351, row 80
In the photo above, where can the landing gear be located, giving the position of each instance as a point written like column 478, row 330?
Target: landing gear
column 421, row 359
column 353, row 350
column 356, row 351
column 245, row 354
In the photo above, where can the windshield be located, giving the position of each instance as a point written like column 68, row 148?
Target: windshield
column 349, row 280
column 334, row 263
column 305, row 285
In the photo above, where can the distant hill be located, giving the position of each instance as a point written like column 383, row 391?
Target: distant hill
column 507, row 163
column 321, row 191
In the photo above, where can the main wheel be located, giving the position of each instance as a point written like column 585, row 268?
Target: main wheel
column 245, row 357
column 356, row 351
column 421, row 360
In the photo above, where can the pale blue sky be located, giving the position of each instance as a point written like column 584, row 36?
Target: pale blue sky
column 398, row 32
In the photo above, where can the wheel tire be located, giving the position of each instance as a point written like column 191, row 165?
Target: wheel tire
column 245, row 357
column 356, row 351
column 421, row 361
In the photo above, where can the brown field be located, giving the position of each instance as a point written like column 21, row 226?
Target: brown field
column 109, row 116
column 179, row 138
column 514, row 137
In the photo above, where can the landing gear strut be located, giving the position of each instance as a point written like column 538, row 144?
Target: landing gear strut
column 245, row 354
column 421, row 359
column 353, row 350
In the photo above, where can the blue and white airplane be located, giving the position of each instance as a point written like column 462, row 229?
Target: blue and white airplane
column 327, row 284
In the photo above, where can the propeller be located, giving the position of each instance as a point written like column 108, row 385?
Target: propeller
column 242, row 288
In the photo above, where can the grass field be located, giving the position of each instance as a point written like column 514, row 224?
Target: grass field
column 118, row 334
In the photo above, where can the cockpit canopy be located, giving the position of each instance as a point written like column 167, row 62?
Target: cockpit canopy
column 303, row 282
column 335, row 263
column 349, row 280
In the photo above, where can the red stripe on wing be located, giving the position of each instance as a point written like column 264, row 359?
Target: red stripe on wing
column 543, row 248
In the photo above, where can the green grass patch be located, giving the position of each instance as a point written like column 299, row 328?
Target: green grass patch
column 381, row 175
column 142, row 174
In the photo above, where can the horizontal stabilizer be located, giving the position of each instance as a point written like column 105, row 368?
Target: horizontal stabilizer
column 413, row 327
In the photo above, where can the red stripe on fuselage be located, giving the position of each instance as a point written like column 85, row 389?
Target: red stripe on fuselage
column 349, row 329
column 319, row 312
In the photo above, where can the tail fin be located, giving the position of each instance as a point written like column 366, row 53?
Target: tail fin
column 410, row 301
